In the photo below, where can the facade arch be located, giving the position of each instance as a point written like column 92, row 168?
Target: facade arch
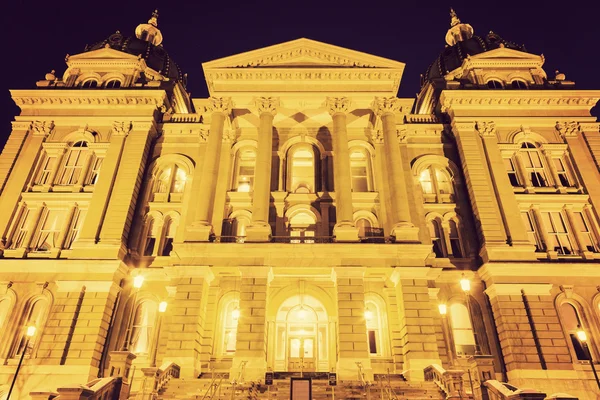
column 520, row 136
column 35, row 312
column 285, row 147
column 80, row 135
column 88, row 76
column 378, row 332
column 579, row 316
column 227, row 317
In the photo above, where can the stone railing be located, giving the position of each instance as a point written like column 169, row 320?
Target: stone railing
column 98, row 389
column 155, row 379
column 449, row 381
column 504, row 391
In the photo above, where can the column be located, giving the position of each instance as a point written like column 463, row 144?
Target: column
column 418, row 340
column 352, row 333
column 394, row 328
column 223, row 183
column 381, row 177
column 203, row 196
column 509, row 208
column 260, row 230
column 19, row 175
column 251, row 345
column 552, row 168
column 402, row 227
column 344, row 229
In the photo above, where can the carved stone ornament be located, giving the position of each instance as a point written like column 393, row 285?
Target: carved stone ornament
column 402, row 135
column 229, row 135
column 337, row 105
column 567, row 290
column 486, row 128
column 377, row 136
column 384, row 105
column 568, row 129
column 42, row 127
column 220, row 104
column 121, row 128
column 267, row 105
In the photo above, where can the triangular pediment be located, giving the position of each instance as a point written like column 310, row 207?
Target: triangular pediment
column 103, row 54
column 504, row 53
column 303, row 53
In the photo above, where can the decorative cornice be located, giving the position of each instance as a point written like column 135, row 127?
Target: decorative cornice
column 185, row 130
column 220, row 104
column 568, row 129
column 43, row 128
column 21, row 125
column 295, row 75
column 486, row 128
column 267, row 105
column 385, row 105
column 121, row 128
column 513, row 99
column 83, row 99
column 337, row 105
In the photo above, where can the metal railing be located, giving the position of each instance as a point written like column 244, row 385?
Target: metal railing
column 238, row 379
column 373, row 237
column 450, row 382
column 214, row 389
column 361, row 377
column 385, row 387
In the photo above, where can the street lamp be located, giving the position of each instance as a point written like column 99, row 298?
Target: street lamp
column 368, row 314
column 582, row 336
column 443, row 309
column 162, row 307
column 465, row 285
column 29, row 334
column 138, row 281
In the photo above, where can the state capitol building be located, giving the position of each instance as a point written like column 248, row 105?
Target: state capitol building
column 302, row 220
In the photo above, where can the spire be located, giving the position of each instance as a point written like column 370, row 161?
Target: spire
column 458, row 31
column 149, row 32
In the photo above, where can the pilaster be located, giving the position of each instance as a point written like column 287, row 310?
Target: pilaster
column 12, row 149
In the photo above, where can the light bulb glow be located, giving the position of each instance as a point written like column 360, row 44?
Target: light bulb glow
column 235, row 314
column 162, row 306
column 465, row 284
column 581, row 335
column 368, row 314
column 443, row 309
column 302, row 313
column 31, row 331
column 138, row 281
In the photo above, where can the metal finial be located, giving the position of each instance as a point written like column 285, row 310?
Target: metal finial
column 454, row 18
column 154, row 18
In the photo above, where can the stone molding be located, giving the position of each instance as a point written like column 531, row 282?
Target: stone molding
column 21, row 125
column 76, row 99
column 486, row 128
column 531, row 100
column 514, row 289
column 220, row 105
column 267, row 105
column 90, row 286
column 568, row 129
column 384, row 105
column 337, row 105
column 121, row 128
column 42, row 128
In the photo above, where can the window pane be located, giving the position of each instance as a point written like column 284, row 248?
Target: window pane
column 372, row 342
column 426, row 184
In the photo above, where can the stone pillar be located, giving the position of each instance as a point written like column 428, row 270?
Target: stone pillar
column 12, row 149
column 203, row 196
column 344, row 229
column 402, row 227
column 16, row 182
column 352, row 332
column 515, row 230
column 419, row 343
column 223, row 183
column 89, row 234
column 394, row 328
column 490, row 227
column 381, row 178
column 260, row 230
column 591, row 136
column 251, row 345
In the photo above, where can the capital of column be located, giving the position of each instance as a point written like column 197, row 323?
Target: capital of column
column 43, row 128
column 568, row 129
column 486, row 128
column 377, row 136
column 220, row 105
column 267, row 105
column 121, row 128
column 386, row 105
column 338, row 105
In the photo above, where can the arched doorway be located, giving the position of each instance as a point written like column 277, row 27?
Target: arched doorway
column 302, row 335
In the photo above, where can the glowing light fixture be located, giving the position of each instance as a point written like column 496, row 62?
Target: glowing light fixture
column 31, row 331
column 368, row 314
column 162, row 306
column 581, row 335
column 138, row 281
column 443, row 309
column 465, row 284
column 302, row 312
column 235, row 314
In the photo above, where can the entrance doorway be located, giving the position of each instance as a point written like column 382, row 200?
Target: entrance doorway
column 302, row 336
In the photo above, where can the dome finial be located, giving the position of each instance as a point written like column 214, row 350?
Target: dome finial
column 154, row 18
column 149, row 31
column 458, row 31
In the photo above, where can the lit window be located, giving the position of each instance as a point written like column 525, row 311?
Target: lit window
column 89, row 84
column 73, row 163
column 171, row 183
column 34, row 317
column 455, row 240
column 231, row 315
column 244, row 172
column 512, row 172
column 572, row 323
column 359, row 168
column 75, row 228
column 534, row 167
column 559, row 237
column 588, row 241
column 170, row 229
column 48, row 231
column 302, row 228
column 518, row 84
column 462, row 330
column 437, row 185
column 150, row 238
column 113, row 84
column 142, row 327
column 240, row 224
column 532, row 234
column 437, row 238
column 373, row 319
column 301, row 169
column 494, row 84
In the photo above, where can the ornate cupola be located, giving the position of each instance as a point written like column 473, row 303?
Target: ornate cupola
column 458, row 31
column 149, row 32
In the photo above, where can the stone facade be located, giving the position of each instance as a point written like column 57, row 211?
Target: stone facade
column 302, row 217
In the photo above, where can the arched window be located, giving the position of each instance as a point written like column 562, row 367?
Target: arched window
column 230, row 316
column 151, row 236
column 89, row 84
column 571, row 323
column 34, row 316
column 462, row 330
column 373, row 319
column 494, row 84
column 73, row 163
column 360, row 170
column 302, row 227
column 532, row 162
column 518, row 84
column 169, row 184
column 437, row 238
column 113, row 84
column 169, row 235
column 245, row 164
column 437, row 185
column 301, row 169
column 454, row 236
column 142, row 326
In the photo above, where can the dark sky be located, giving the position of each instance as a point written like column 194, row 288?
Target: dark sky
column 37, row 35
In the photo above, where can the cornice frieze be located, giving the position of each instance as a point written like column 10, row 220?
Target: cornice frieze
column 541, row 101
column 303, row 75
column 81, row 98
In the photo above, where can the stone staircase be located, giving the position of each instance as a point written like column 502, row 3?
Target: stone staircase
column 194, row 389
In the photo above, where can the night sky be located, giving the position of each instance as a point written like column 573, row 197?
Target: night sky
column 36, row 37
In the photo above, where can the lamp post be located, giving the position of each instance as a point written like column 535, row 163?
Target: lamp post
column 582, row 336
column 29, row 334
column 162, row 307
column 465, row 285
column 443, row 309
column 138, row 281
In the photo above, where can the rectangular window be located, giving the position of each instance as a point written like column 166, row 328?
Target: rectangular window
column 49, row 227
column 534, row 237
column 94, row 171
column 23, row 226
column 561, row 170
column 45, row 171
column 588, row 241
column 75, row 228
column 512, row 172
column 372, row 341
column 559, row 237
column 73, row 166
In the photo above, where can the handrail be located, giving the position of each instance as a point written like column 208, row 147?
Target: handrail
column 387, row 388
column 503, row 391
column 166, row 371
column 361, row 377
column 238, row 379
column 214, row 387
column 99, row 389
column 449, row 381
